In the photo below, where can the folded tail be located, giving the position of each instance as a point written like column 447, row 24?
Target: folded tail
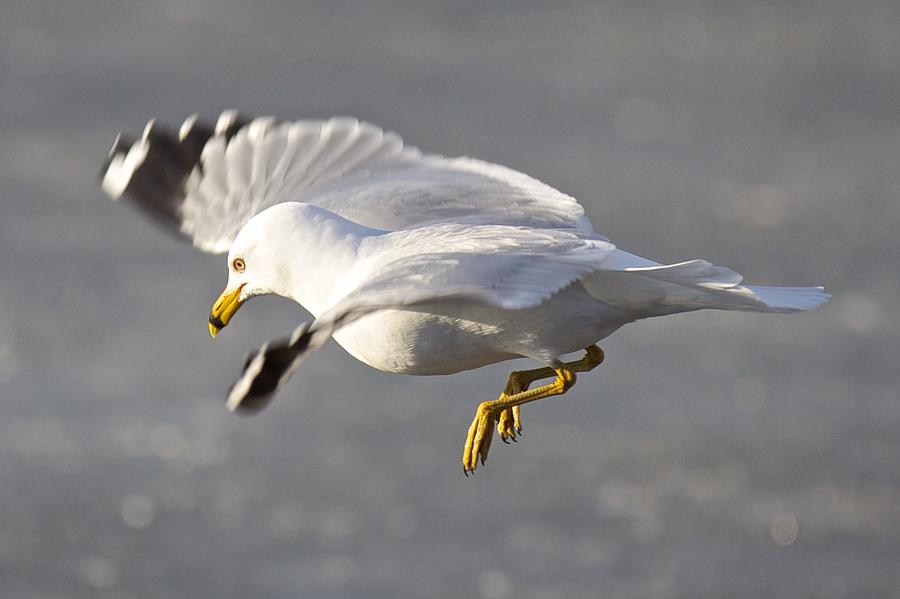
column 694, row 285
column 789, row 299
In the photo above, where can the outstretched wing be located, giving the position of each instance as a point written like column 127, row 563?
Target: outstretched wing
column 508, row 267
column 204, row 182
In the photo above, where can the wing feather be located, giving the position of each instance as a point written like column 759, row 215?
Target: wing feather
column 205, row 182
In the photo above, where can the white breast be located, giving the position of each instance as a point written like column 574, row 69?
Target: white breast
column 420, row 343
column 444, row 338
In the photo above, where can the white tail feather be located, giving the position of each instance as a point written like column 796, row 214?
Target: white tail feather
column 658, row 289
column 790, row 299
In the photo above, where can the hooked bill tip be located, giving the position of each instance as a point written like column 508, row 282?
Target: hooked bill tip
column 214, row 327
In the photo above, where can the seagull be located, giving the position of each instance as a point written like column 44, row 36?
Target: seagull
column 414, row 263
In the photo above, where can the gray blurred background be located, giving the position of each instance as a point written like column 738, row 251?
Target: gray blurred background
column 713, row 455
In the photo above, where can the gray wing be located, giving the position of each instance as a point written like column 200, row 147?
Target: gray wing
column 204, row 182
column 505, row 266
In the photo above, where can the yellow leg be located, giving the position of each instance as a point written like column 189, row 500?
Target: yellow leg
column 509, row 425
column 506, row 408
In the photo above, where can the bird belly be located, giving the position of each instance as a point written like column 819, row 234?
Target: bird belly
column 449, row 337
column 422, row 343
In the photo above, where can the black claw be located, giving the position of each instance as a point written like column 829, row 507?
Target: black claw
column 515, row 439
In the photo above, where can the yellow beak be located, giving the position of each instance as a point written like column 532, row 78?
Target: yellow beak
column 224, row 309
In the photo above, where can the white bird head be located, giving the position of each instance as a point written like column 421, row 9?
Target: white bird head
column 291, row 250
column 255, row 264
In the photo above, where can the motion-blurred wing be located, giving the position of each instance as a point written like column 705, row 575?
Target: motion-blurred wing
column 205, row 182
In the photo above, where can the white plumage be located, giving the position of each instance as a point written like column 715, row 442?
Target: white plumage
column 414, row 263
column 447, row 297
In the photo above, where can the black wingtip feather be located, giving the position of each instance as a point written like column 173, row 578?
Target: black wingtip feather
column 120, row 147
column 157, row 184
column 278, row 362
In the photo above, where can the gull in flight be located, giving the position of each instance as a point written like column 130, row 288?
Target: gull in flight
column 414, row 263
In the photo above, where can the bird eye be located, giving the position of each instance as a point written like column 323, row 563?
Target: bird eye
column 238, row 265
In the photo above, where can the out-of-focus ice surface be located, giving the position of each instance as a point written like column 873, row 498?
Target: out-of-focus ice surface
column 713, row 455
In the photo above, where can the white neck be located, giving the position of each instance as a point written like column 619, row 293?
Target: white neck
column 316, row 275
